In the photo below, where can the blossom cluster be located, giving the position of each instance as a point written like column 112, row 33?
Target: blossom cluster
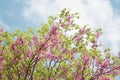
column 50, row 54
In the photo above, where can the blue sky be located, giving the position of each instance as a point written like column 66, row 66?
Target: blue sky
column 11, row 13
column 116, row 5
column 16, row 14
column 20, row 14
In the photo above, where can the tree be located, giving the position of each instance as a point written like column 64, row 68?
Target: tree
column 49, row 53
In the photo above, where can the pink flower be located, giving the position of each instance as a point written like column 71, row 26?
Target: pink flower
column 105, row 64
column 119, row 54
column 41, row 56
column 50, row 56
column 78, row 65
column 86, row 59
column 98, row 35
column 17, row 51
column 62, row 24
column 77, row 38
column 106, row 79
column 35, row 39
column 118, row 66
column 83, row 31
column 28, row 54
column 30, row 43
column 55, row 39
column 53, row 30
column 20, row 40
column 14, row 60
column 1, row 60
column 69, row 18
column 115, row 73
column 13, row 47
column 80, row 78
column 98, row 62
column 2, row 29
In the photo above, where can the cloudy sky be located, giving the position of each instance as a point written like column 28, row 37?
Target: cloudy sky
column 20, row 14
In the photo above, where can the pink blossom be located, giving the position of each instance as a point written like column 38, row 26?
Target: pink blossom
column 83, row 31
column 106, row 79
column 59, row 57
column 77, row 38
column 80, row 78
column 14, row 60
column 105, row 64
column 78, row 65
column 98, row 62
column 53, row 30
column 119, row 54
column 41, row 56
column 30, row 43
column 1, row 61
column 2, row 29
column 28, row 54
column 115, row 73
column 73, row 54
column 50, row 56
column 13, row 47
column 98, row 35
column 69, row 17
column 118, row 66
column 20, row 40
column 55, row 39
column 17, row 51
column 1, row 58
column 35, row 39
column 62, row 24
column 86, row 59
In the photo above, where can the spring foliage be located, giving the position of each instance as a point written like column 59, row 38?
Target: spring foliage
column 50, row 53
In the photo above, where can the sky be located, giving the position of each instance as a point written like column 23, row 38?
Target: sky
column 20, row 14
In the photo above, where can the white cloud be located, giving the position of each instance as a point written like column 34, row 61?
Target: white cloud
column 96, row 13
